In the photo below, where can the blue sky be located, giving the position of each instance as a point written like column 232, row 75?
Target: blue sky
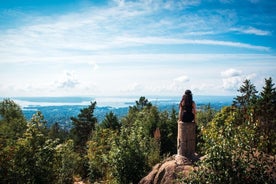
column 146, row 47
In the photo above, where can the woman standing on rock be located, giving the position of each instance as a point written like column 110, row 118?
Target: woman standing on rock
column 187, row 108
column 186, row 138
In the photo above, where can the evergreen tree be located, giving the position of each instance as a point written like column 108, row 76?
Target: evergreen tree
column 57, row 132
column 82, row 127
column 246, row 102
column 142, row 102
column 267, row 115
column 111, row 121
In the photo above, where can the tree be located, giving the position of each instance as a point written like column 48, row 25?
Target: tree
column 141, row 103
column 248, row 95
column 131, row 153
column 39, row 122
column 57, row 132
column 99, row 155
column 66, row 162
column 111, row 121
column 246, row 102
column 266, row 108
column 12, row 120
column 12, row 126
column 203, row 117
column 34, row 156
column 230, row 155
column 82, row 127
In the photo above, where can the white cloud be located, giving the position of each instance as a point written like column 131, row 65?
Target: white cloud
column 182, row 79
column 116, row 27
column 252, row 30
column 233, row 78
column 94, row 66
column 232, row 83
column 231, row 73
column 67, row 80
column 130, row 41
column 133, row 88
column 108, row 48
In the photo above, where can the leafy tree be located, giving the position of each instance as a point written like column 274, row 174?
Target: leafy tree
column 111, row 121
column 12, row 120
column 39, row 122
column 66, row 162
column 134, row 150
column 230, row 157
column 99, row 154
column 12, row 126
column 204, row 116
column 34, row 157
column 82, row 127
column 130, row 154
column 57, row 132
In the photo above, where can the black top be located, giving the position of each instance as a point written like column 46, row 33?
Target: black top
column 187, row 113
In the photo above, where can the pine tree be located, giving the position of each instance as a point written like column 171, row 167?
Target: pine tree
column 83, row 126
column 267, row 115
column 111, row 121
column 246, row 102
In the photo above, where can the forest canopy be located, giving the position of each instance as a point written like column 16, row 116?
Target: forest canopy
column 238, row 142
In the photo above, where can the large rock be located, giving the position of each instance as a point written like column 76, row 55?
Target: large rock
column 167, row 171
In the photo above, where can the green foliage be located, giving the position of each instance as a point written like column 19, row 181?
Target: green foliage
column 246, row 102
column 12, row 127
column 99, row 154
column 82, row 127
column 34, row 157
column 142, row 103
column 266, row 113
column 248, row 95
column 111, row 121
column 229, row 155
column 66, row 162
column 130, row 152
column 57, row 132
column 203, row 117
column 237, row 142
column 12, row 121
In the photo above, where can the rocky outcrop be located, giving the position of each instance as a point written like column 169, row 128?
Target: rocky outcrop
column 167, row 171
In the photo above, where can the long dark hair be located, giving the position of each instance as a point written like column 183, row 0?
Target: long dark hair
column 187, row 100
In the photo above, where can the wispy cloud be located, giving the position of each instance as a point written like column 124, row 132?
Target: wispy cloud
column 144, row 46
column 130, row 24
column 175, row 41
column 252, row 30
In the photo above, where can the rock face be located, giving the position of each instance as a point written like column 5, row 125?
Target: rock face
column 167, row 171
